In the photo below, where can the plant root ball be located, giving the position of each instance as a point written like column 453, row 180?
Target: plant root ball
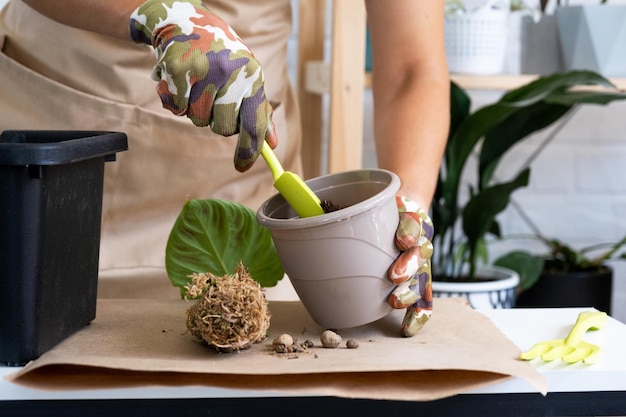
column 231, row 312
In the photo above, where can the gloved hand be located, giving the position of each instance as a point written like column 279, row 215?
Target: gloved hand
column 205, row 71
column 411, row 270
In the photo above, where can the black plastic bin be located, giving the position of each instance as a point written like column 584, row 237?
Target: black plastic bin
column 51, row 185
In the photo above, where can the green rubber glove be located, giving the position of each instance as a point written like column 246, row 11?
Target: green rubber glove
column 204, row 71
column 411, row 271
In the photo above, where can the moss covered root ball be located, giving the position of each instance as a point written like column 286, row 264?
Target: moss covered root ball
column 230, row 312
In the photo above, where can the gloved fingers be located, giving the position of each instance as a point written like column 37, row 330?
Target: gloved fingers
column 405, row 294
column 256, row 127
column 419, row 287
column 423, row 226
column 412, row 261
column 409, row 230
column 173, row 90
column 239, row 96
column 203, row 68
column 185, row 86
column 411, row 270
column 405, row 266
column 271, row 137
column 415, row 318
column 419, row 313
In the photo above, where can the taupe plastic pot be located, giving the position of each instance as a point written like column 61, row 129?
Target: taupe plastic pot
column 337, row 261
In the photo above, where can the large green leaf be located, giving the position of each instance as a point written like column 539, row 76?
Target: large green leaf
column 463, row 141
column 516, row 127
column 544, row 86
column 570, row 98
column 482, row 208
column 480, row 212
column 214, row 236
column 460, row 105
column 531, row 118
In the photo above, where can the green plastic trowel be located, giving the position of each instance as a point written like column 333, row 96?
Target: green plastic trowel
column 299, row 196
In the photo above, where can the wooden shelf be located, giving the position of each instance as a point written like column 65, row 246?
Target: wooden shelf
column 497, row 81
column 492, row 82
column 507, row 81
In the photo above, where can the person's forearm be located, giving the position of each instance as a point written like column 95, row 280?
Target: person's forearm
column 411, row 92
column 411, row 130
column 108, row 17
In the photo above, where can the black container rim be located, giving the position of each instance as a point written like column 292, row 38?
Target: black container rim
column 57, row 147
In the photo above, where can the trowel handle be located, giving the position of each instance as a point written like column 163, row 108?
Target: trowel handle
column 587, row 320
column 272, row 161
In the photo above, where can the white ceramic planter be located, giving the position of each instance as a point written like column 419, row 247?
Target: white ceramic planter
column 498, row 293
column 337, row 261
column 476, row 41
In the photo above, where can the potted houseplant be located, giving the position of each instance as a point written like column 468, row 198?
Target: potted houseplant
column 563, row 276
column 465, row 207
column 593, row 37
column 476, row 35
column 540, row 43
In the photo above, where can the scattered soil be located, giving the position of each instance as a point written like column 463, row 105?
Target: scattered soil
column 352, row 344
column 285, row 343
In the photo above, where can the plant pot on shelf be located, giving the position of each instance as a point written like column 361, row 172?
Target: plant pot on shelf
column 493, row 288
column 337, row 262
column 593, row 38
column 515, row 34
column 476, row 40
column 540, row 46
column 591, row 288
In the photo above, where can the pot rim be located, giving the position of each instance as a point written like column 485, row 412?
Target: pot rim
column 344, row 214
column 504, row 279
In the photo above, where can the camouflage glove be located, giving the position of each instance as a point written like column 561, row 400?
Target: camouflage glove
column 205, row 71
column 411, row 270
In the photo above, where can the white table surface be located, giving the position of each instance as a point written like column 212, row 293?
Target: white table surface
column 523, row 326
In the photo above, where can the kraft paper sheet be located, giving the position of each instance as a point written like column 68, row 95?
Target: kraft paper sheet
column 136, row 343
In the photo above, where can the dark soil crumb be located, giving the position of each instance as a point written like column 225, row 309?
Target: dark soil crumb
column 328, row 206
column 352, row 344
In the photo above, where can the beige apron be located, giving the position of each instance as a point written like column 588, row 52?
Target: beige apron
column 56, row 77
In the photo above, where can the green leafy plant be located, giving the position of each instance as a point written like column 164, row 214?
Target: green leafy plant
column 559, row 257
column 214, row 236
column 465, row 214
